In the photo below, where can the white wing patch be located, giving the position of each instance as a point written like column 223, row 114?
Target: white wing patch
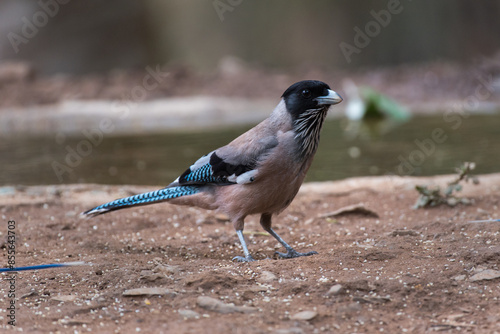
column 201, row 161
column 247, row 177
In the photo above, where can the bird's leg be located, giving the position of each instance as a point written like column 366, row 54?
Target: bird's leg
column 247, row 257
column 265, row 222
column 290, row 252
column 238, row 226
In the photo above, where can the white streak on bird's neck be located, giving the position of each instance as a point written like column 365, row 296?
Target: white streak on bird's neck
column 307, row 129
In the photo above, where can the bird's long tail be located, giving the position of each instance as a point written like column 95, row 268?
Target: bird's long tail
column 143, row 199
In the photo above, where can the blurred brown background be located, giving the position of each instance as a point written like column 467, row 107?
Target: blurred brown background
column 93, row 36
column 157, row 68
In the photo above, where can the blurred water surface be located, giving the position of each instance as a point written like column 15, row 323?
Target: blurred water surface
column 409, row 149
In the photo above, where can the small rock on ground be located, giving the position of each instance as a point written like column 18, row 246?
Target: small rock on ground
column 487, row 274
column 188, row 314
column 267, row 277
column 148, row 292
column 305, row 315
column 337, row 289
column 64, row 298
column 216, row 305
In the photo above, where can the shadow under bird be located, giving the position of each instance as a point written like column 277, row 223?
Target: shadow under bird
column 260, row 172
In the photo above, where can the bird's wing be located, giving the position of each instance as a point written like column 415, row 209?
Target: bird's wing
column 236, row 163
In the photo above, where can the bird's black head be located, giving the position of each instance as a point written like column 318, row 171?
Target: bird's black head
column 309, row 95
column 308, row 102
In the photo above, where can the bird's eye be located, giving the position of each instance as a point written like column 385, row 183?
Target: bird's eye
column 306, row 93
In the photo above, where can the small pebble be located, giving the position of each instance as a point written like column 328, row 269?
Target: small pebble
column 218, row 306
column 188, row 314
column 64, row 298
column 304, row 315
column 148, row 292
column 337, row 289
column 487, row 274
column 267, row 277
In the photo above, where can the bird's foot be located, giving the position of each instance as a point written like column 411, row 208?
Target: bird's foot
column 291, row 253
column 247, row 258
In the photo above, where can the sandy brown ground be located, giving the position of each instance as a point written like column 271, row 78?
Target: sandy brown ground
column 406, row 271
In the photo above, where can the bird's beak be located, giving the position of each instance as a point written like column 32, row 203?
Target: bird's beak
column 330, row 99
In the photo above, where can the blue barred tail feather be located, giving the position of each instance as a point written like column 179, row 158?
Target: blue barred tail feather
column 143, row 199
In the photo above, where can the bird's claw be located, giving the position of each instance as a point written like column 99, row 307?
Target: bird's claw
column 248, row 258
column 290, row 254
